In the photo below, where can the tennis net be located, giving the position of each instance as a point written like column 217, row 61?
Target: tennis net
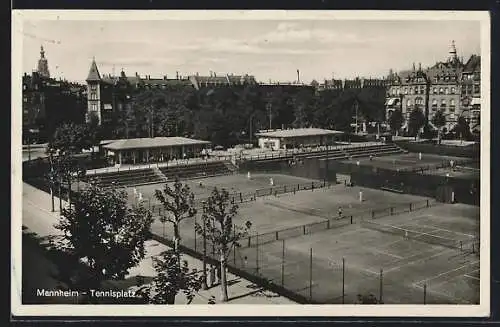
column 418, row 236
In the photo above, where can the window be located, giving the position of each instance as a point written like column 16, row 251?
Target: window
column 477, row 89
column 422, row 90
column 25, row 99
column 452, row 105
column 443, row 103
column 406, row 90
column 453, row 90
column 435, row 90
column 434, row 104
column 441, row 90
column 408, row 103
column 419, row 101
column 93, row 87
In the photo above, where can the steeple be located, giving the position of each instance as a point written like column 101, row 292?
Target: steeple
column 43, row 65
column 94, row 75
column 452, row 53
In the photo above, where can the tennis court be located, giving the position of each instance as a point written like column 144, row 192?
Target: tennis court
column 235, row 184
column 406, row 161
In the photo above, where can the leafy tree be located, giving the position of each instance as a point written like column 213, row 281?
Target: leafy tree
column 416, row 121
column 217, row 227
column 396, row 120
column 178, row 202
column 439, row 120
column 70, row 138
column 103, row 231
column 462, row 128
column 171, row 279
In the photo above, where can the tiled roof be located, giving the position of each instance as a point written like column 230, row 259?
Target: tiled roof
column 299, row 132
column 93, row 73
column 473, row 64
column 154, row 142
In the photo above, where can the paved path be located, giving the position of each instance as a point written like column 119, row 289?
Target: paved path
column 38, row 218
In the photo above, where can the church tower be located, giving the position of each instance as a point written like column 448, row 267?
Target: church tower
column 43, row 65
column 452, row 53
column 93, row 92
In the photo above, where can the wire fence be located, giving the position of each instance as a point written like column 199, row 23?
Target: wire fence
column 305, row 276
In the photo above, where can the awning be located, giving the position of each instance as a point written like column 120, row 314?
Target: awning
column 476, row 101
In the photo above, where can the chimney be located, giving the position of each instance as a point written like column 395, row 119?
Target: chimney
column 215, row 75
column 177, row 75
column 298, row 76
column 136, row 75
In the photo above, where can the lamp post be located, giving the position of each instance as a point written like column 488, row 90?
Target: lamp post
column 204, row 282
column 269, row 107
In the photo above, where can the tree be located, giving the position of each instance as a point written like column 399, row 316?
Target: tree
column 217, row 227
column 178, row 202
column 171, row 279
column 439, row 120
column 70, row 138
column 173, row 274
column 416, row 122
column 462, row 128
column 103, row 231
column 396, row 121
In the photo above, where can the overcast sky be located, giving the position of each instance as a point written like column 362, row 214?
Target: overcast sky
column 267, row 49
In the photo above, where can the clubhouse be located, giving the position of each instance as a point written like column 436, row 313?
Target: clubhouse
column 152, row 150
column 296, row 138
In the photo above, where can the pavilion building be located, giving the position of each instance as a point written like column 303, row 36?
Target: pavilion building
column 152, row 150
column 295, row 138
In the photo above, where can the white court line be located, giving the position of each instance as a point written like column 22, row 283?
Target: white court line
column 446, row 230
column 383, row 252
column 440, row 253
column 472, row 277
column 453, row 298
column 447, row 272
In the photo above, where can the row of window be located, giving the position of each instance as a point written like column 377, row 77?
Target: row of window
column 421, row 90
column 420, row 101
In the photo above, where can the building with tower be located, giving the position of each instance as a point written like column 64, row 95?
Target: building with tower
column 433, row 89
column 47, row 103
column 43, row 65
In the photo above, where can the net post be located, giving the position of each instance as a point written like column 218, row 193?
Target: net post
column 343, row 280
column 310, row 273
column 304, row 229
column 427, row 203
column 257, row 254
column 410, row 206
column 277, row 235
column 381, row 293
column 425, row 293
column 328, row 224
column 351, row 219
column 283, row 264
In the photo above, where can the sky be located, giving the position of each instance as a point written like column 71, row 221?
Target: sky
column 268, row 49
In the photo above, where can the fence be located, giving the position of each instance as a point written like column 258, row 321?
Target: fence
column 266, row 260
column 444, row 150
